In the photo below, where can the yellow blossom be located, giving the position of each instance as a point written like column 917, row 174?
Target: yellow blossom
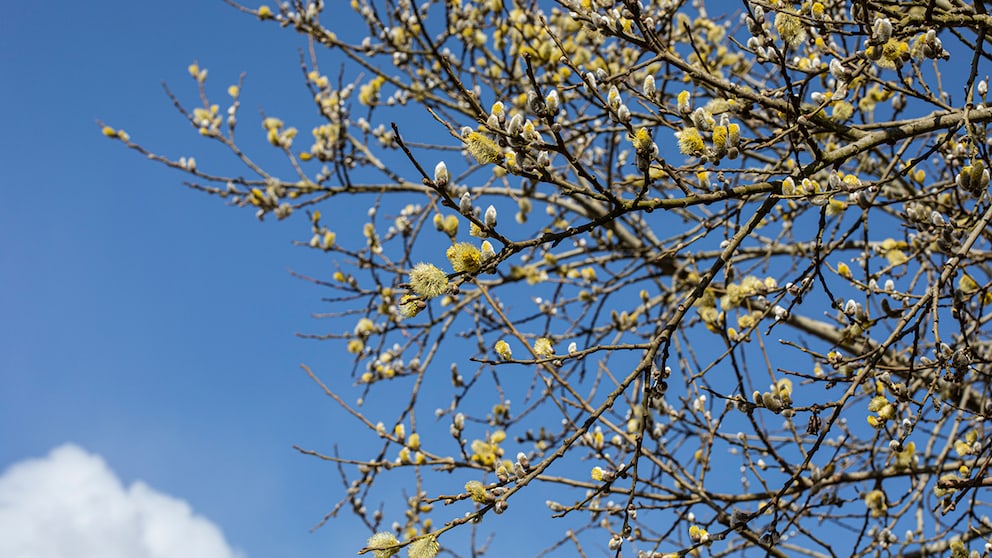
column 876, row 503
column 883, row 407
column 642, row 140
column 835, row 207
column 784, row 387
column 697, row 534
column 959, row 549
column 428, row 281
column 790, row 28
column 450, row 225
column 877, row 403
column 206, row 117
column 684, row 102
column 720, row 137
column 543, row 347
column 733, row 134
column 890, row 55
column 464, row 257
column 380, row 544
column 844, row 270
column 477, row 491
column 424, row 547
column 746, row 321
column 364, row 327
column 906, row 458
column 690, row 142
column 502, row 349
column 411, row 305
column 486, row 452
column 896, row 257
column 967, row 284
column 482, row 148
column 369, row 93
column 328, row 240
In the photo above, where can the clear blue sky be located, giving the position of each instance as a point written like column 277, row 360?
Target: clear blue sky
column 144, row 322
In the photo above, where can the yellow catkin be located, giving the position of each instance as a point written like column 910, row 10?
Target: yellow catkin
column 482, row 148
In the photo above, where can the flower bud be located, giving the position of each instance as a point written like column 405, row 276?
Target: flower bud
column 838, row 70
column 684, row 101
column 502, row 349
column 759, row 13
column 516, row 123
column 882, row 30
column 591, row 80
column 552, row 102
column 490, row 217
column 523, row 461
column 649, row 88
column 623, row 113
column 487, row 251
column 613, row 98
column 441, row 175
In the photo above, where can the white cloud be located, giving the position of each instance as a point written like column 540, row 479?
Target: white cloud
column 71, row 505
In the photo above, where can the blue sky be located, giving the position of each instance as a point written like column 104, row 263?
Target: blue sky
column 144, row 322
